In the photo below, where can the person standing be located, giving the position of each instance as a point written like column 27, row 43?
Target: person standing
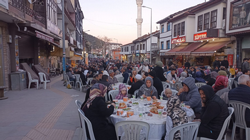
column 216, row 63
column 245, row 65
column 224, row 62
column 159, row 71
column 187, row 65
column 157, row 82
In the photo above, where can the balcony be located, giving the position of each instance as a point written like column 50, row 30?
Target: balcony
column 21, row 6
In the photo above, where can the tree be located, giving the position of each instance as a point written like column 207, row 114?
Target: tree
column 106, row 41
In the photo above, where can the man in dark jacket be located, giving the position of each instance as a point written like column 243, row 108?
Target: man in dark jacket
column 241, row 93
column 224, row 62
column 157, row 82
column 189, row 94
column 214, row 113
column 216, row 63
column 187, row 65
column 245, row 64
column 159, row 71
column 105, row 82
column 138, row 83
column 170, row 63
column 125, row 75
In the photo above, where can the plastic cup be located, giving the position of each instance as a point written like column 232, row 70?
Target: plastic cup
column 119, row 112
column 130, row 113
column 133, row 96
column 125, row 99
column 149, row 98
column 161, row 97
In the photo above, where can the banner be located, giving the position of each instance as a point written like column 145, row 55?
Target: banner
column 230, row 59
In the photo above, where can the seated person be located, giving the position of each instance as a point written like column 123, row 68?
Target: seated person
column 105, row 82
column 148, row 89
column 123, row 92
column 95, row 79
column 125, row 75
column 81, row 76
column 167, row 94
column 132, row 77
column 112, row 79
column 172, row 76
column 212, row 79
column 189, row 94
column 214, row 113
column 138, row 83
column 96, row 111
column 183, row 76
column 242, row 94
column 175, row 116
column 220, row 83
column 70, row 74
column 199, row 77
column 144, row 76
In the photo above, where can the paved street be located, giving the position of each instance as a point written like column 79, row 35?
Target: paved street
column 40, row 114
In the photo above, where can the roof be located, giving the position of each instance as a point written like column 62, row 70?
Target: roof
column 127, row 44
column 146, row 36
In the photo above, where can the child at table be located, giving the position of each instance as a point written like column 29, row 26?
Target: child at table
column 148, row 89
column 167, row 93
column 123, row 92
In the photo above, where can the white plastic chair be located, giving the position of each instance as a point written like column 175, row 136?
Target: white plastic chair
column 166, row 85
column 200, row 84
column 89, row 80
column 43, row 79
column 240, row 110
column 120, row 79
column 79, row 104
column 174, row 92
column 224, row 127
column 68, row 81
column 78, row 77
column 136, row 93
column 113, row 93
column 235, row 84
column 32, row 81
column 90, row 128
column 133, row 129
column 188, row 131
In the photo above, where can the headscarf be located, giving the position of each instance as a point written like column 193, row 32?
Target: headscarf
column 208, row 91
column 179, row 71
column 207, row 72
column 214, row 75
column 220, row 83
column 97, row 90
column 199, row 77
column 149, row 90
column 183, row 76
column 120, row 95
column 177, row 115
column 222, row 72
column 159, row 63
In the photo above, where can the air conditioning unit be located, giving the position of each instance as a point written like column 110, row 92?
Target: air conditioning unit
column 223, row 23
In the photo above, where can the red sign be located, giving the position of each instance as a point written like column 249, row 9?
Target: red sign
column 178, row 40
column 230, row 59
column 44, row 37
column 200, row 36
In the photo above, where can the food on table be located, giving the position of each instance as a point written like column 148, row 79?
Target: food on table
column 154, row 110
column 156, row 103
column 164, row 113
column 149, row 114
column 122, row 105
column 187, row 106
column 130, row 113
column 135, row 103
column 149, row 98
column 130, row 102
column 127, row 109
column 125, row 99
column 119, row 112
column 160, row 107
column 155, row 100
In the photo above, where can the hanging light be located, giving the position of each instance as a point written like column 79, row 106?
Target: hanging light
column 215, row 51
column 201, row 40
column 213, row 39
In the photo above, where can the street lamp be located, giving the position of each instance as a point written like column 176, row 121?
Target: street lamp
column 150, row 30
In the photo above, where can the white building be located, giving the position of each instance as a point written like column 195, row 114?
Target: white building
column 126, row 54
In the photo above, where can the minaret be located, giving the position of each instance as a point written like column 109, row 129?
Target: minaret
column 139, row 17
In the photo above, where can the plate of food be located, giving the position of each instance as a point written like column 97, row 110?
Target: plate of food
column 122, row 106
column 126, row 109
column 160, row 107
column 156, row 103
column 154, row 110
column 135, row 103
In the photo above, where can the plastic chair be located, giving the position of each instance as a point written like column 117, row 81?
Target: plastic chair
column 224, row 127
column 174, row 92
column 166, row 85
column 43, row 79
column 133, row 129
column 89, row 125
column 136, row 93
column 32, row 81
column 240, row 110
column 200, row 84
column 188, row 131
column 235, row 84
column 79, row 104
column 77, row 76
column 68, row 81
column 120, row 79
column 89, row 80
column 113, row 93
column 231, row 82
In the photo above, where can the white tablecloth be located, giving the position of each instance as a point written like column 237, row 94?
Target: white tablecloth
column 157, row 123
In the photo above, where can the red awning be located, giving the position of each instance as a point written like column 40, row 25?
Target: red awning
column 189, row 48
column 210, row 48
column 176, row 49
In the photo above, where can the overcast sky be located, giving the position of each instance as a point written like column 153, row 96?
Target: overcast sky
column 117, row 18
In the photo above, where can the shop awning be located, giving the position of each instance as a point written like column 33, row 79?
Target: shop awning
column 76, row 58
column 175, row 50
column 210, row 48
column 189, row 48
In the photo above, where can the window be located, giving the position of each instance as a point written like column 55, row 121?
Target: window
column 175, row 30
column 52, row 11
column 224, row 12
column 168, row 44
column 183, row 28
column 140, row 47
column 206, row 21
column 137, row 47
column 162, row 28
column 162, row 45
column 178, row 29
column 214, row 19
column 143, row 46
column 122, row 49
column 200, row 21
column 168, row 26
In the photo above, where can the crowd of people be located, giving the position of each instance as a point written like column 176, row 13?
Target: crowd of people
column 209, row 102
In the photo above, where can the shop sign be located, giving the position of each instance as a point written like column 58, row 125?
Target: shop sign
column 200, row 36
column 178, row 40
column 137, row 53
column 229, row 51
column 4, row 4
column 44, row 37
column 230, row 59
column 148, row 55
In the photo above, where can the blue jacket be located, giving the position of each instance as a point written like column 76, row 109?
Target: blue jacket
column 125, row 75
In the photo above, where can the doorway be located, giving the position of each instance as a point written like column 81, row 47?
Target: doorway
column 1, row 58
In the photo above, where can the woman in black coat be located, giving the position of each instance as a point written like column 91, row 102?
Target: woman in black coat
column 96, row 111
column 159, row 71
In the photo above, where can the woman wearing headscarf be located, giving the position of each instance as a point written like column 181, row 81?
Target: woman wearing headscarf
column 148, row 89
column 220, row 83
column 207, row 75
column 198, row 78
column 159, row 71
column 132, row 76
column 214, row 112
column 212, row 79
column 96, row 110
column 123, row 92
column 179, row 71
column 183, row 76
column 175, row 115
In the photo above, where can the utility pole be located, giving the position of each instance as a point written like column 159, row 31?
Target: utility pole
column 63, row 31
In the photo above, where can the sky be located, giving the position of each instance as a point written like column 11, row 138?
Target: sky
column 116, row 19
